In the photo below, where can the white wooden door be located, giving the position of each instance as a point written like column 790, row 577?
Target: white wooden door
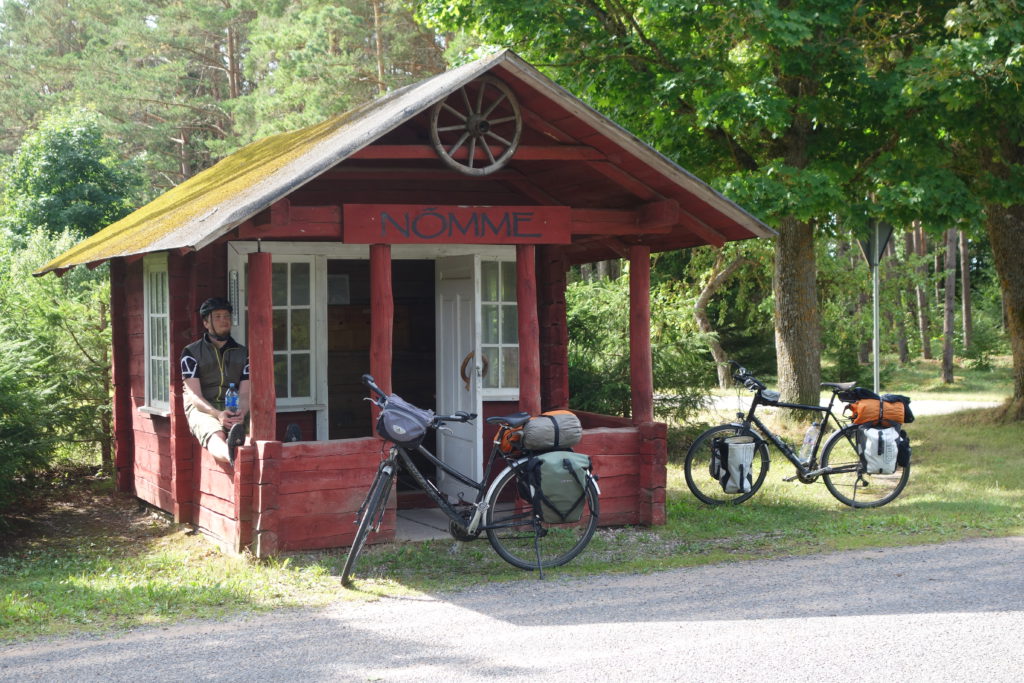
column 458, row 370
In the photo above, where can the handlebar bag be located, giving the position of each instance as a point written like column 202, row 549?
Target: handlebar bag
column 878, row 449
column 731, row 461
column 403, row 423
column 555, row 483
column 553, row 429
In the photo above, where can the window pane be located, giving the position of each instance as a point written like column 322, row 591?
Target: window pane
column 300, row 374
column 281, row 330
column 281, row 375
column 489, row 313
column 492, row 353
column 508, row 281
column 489, row 276
column 510, row 367
column 161, row 380
column 300, row 284
column 279, row 284
column 509, row 324
column 300, row 329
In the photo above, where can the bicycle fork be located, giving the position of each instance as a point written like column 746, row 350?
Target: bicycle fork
column 388, row 470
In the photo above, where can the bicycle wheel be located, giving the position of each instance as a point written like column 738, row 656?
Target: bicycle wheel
column 849, row 483
column 697, row 467
column 369, row 516
column 517, row 534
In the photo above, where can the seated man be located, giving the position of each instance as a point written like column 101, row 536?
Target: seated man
column 209, row 366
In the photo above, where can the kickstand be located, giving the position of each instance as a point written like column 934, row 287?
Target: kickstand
column 536, row 549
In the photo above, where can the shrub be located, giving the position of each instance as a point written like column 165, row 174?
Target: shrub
column 25, row 418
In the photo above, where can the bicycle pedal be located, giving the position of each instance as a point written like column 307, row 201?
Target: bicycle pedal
column 793, row 478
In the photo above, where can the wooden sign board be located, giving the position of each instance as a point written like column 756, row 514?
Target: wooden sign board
column 421, row 224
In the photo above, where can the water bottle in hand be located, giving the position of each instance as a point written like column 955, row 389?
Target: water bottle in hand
column 231, row 399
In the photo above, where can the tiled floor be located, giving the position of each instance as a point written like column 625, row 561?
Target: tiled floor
column 422, row 524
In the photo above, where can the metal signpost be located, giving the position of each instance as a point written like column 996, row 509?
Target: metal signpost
column 873, row 248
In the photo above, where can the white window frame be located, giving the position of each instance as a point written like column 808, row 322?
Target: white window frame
column 155, row 265
column 320, row 253
column 509, row 393
column 311, row 398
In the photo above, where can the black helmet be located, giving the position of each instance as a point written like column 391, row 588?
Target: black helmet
column 215, row 304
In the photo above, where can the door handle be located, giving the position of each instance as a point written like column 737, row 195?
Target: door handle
column 465, row 363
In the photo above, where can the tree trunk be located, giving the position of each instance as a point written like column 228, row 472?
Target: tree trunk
column 966, row 317
column 948, row 321
column 1005, row 227
column 891, row 283
column 700, row 313
column 381, row 86
column 106, row 421
column 923, row 319
column 910, row 296
column 797, row 326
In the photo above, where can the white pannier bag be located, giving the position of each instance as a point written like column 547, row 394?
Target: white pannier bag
column 731, row 463
column 878, row 448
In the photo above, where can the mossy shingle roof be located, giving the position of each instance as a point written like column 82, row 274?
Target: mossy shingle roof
column 213, row 202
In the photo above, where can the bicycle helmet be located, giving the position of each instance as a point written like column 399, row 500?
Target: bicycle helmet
column 215, row 304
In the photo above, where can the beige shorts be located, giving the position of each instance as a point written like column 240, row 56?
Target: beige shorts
column 202, row 425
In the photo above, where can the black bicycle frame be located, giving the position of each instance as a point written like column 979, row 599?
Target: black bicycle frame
column 430, row 488
column 782, row 445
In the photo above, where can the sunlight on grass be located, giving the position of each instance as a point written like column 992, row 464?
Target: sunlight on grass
column 967, row 480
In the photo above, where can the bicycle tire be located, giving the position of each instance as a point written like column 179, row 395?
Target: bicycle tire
column 706, row 488
column 369, row 514
column 852, row 486
column 513, row 528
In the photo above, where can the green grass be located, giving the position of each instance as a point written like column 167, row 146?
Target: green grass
column 922, row 379
column 968, row 480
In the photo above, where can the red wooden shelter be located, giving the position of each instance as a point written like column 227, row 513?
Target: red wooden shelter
column 425, row 238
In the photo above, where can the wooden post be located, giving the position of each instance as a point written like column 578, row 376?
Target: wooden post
column 382, row 315
column 120, row 359
column 263, row 401
column 529, row 328
column 640, row 363
column 554, row 346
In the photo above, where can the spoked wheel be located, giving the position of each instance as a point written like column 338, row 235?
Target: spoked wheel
column 697, row 467
column 369, row 517
column 517, row 534
column 849, row 483
column 476, row 129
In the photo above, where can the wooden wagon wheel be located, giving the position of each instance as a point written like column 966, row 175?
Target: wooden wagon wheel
column 476, row 129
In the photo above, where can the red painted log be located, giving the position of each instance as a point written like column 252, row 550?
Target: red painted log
column 529, row 329
column 123, row 408
column 262, row 401
column 640, row 364
column 382, row 315
column 554, row 344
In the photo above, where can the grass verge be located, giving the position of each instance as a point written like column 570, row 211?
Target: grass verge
column 136, row 568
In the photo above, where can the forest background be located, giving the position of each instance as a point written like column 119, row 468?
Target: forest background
column 821, row 117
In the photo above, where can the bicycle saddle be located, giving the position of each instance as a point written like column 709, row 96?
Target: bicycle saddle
column 516, row 420
column 839, row 386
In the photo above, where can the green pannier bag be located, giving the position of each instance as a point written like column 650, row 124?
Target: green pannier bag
column 556, row 485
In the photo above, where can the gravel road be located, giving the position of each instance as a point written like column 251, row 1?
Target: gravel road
column 948, row 612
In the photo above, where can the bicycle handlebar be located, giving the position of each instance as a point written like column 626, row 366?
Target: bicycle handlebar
column 372, row 386
column 382, row 399
column 746, row 378
column 460, row 416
